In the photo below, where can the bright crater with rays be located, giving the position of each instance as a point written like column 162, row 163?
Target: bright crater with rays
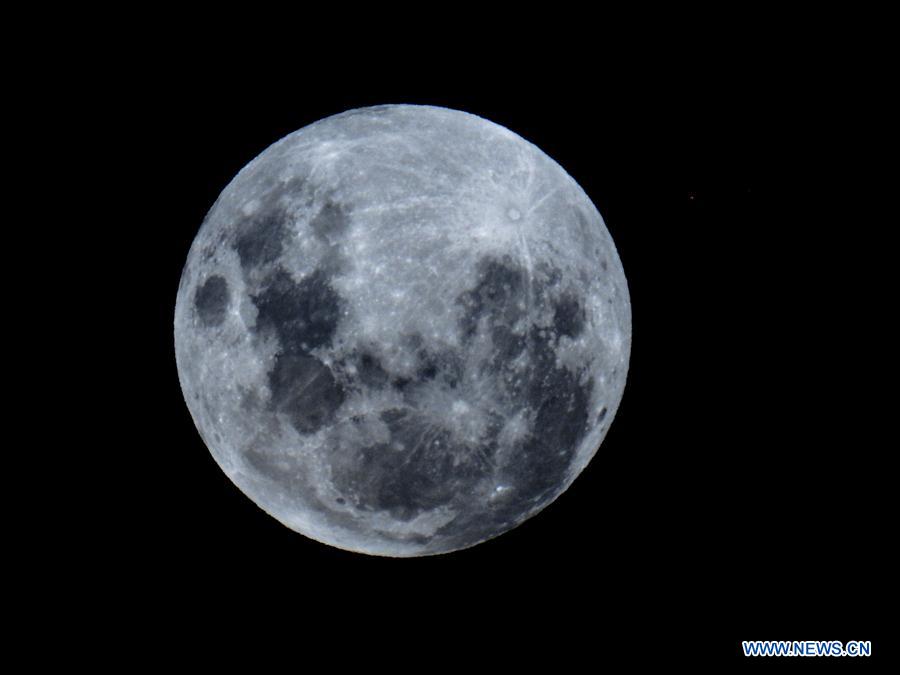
column 402, row 330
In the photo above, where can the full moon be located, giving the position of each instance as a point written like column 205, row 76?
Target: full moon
column 402, row 330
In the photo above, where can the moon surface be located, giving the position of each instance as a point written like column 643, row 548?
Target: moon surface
column 402, row 330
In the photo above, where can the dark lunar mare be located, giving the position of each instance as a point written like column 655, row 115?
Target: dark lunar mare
column 445, row 365
column 305, row 390
column 507, row 345
column 556, row 398
column 495, row 296
column 211, row 300
column 538, row 471
column 568, row 315
column 419, row 469
column 370, row 371
column 559, row 427
column 330, row 222
column 303, row 315
column 261, row 239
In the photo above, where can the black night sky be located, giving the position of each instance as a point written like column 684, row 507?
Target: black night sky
column 741, row 492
